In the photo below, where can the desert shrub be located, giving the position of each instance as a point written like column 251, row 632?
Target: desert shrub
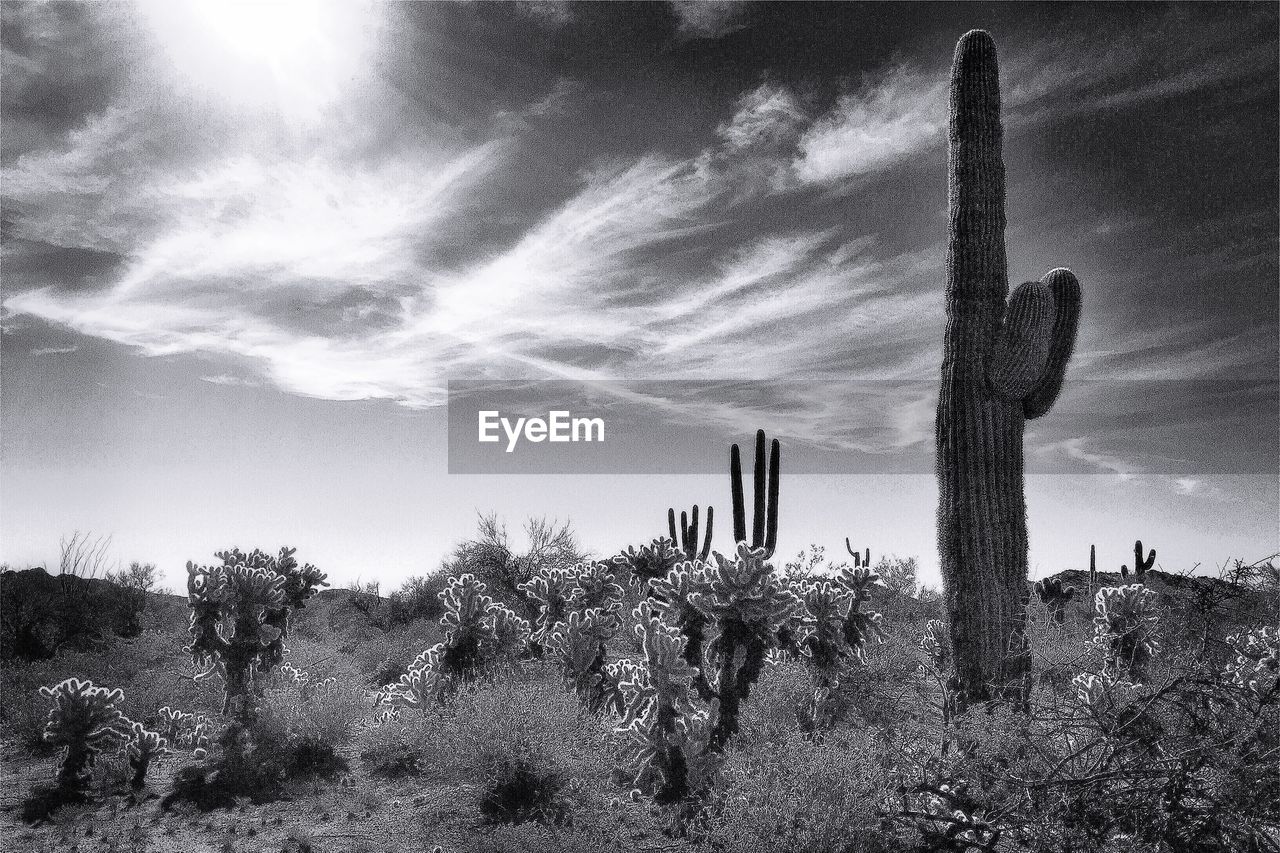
column 778, row 705
column 491, row 558
column 151, row 669
column 417, row 598
column 799, row 795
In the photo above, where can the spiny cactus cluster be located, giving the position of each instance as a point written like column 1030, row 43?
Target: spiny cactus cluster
column 675, row 598
column 1004, row 360
column 1125, row 621
column 185, row 731
column 84, row 721
column 1256, row 667
column 669, row 728
column 648, row 563
column 307, row 686
column 240, row 618
column 1054, row 596
column 934, row 644
column 481, row 636
column 1140, row 566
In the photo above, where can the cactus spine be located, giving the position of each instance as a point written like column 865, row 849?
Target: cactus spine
column 1002, row 364
column 688, row 530
column 764, row 529
column 859, row 560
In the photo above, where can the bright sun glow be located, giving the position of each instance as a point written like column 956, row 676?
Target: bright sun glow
column 294, row 57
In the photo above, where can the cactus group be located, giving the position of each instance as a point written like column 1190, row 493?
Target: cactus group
column 1054, row 596
column 764, row 526
column 1003, row 363
column 481, row 635
column 688, row 533
column 240, row 618
column 84, row 721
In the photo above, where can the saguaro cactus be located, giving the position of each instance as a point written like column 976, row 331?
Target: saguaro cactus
column 688, row 533
column 764, row 528
column 1002, row 364
column 1140, row 566
column 1093, row 568
column 859, row 560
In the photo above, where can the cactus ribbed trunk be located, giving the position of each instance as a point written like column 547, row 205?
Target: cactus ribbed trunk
column 1001, row 364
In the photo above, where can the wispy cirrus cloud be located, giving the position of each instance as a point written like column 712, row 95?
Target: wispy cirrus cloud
column 381, row 270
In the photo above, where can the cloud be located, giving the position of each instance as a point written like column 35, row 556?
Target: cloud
column 229, row 380
column 886, row 120
column 708, row 19
column 43, row 351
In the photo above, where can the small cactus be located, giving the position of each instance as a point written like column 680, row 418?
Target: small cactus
column 144, row 745
column 1055, row 596
column 688, row 533
column 764, row 530
column 861, row 626
column 84, row 721
column 935, row 644
column 1256, row 667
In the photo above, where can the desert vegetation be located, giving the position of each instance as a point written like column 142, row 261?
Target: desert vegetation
column 678, row 694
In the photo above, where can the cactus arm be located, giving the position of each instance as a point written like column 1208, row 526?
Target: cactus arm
column 775, row 465
column 692, row 532
column 671, row 525
column 1021, row 352
column 706, row 543
column 1065, row 289
column 761, row 508
column 739, row 507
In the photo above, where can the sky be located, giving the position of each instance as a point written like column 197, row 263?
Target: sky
column 247, row 246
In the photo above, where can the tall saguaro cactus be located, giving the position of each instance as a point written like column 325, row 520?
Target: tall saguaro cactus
column 764, row 527
column 1002, row 364
column 687, row 540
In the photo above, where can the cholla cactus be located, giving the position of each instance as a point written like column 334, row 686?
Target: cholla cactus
column 1054, row 596
column 481, row 635
column 668, row 728
column 144, row 745
column 240, row 617
column 1125, row 628
column 821, row 636
column 595, row 587
column 748, row 603
column 934, row 643
column 674, row 596
column 579, row 642
column 861, row 626
column 651, row 562
column 175, row 724
column 550, row 588
column 84, row 721
column 1256, row 667
column 423, row 685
